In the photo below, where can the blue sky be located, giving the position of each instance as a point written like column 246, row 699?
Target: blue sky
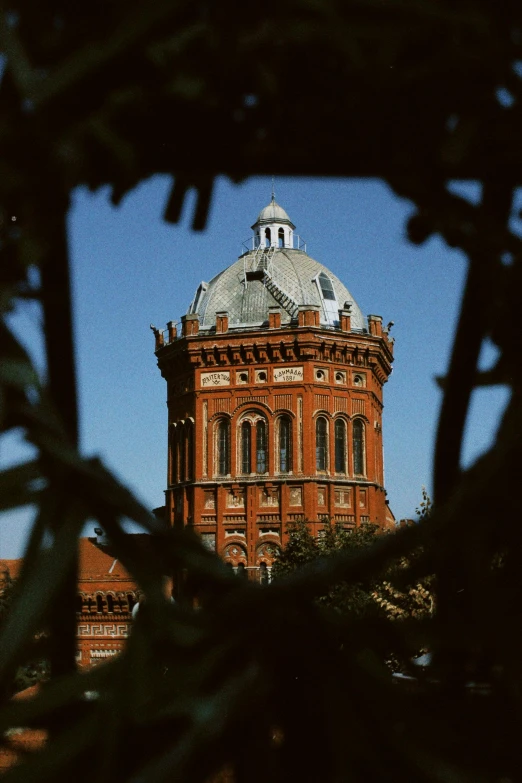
column 130, row 269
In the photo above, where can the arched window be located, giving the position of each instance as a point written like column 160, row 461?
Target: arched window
column 241, row 571
column 321, row 444
column 246, row 446
column 261, row 453
column 110, row 604
column 190, row 451
column 268, row 237
column 182, row 455
column 358, row 447
column 130, row 601
column 340, row 446
column 99, row 604
column 173, row 455
column 223, row 448
column 264, row 577
column 285, row 445
column 281, row 237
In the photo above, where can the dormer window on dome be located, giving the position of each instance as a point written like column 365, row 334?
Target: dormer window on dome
column 328, row 299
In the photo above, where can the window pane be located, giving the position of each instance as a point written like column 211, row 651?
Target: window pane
column 182, row 455
column 320, row 444
column 358, row 447
column 285, row 445
column 223, row 448
column 261, row 466
column 326, row 286
column 340, row 446
column 190, row 452
column 174, row 455
column 245, row 447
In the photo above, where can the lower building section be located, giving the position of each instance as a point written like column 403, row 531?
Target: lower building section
column 246, row 522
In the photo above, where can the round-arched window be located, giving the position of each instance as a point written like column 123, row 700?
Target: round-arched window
column 284, row 448
column 340, row 446
column 223, row 448
column 246, row 447
column 321, row 444
column 261, row 447
column 358, row 447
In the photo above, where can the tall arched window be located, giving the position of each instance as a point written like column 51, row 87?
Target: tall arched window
column 285, row 445
column 246, row 446
column 99, row 604
column 190, row 451
column 261, row 453
column 173, row 455
column 223, row 448
column 281, row 237
column 321, row 444
column 264, row 577
column 182, row 454
column 358, row 447
column 268, row 237
column 340, row 446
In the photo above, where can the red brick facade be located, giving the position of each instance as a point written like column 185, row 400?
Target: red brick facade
column 272, row 422
column 106, row 597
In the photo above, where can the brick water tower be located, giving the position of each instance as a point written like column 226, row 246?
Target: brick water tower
column 274, row 394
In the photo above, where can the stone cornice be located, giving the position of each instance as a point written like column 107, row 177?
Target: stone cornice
column 278, row 346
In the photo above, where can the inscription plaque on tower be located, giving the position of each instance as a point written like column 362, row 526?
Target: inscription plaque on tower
column 215, row 379
column 288, row 374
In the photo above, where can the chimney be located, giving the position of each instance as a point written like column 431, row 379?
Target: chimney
column 221, row 322
column 308, row 315
column 189, row 325
column 375, row 325
column 345, row 320
column 274, row 318
column 173, row 332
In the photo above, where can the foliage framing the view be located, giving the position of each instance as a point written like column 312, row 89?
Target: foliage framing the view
column 417, row 93
column 392, row 594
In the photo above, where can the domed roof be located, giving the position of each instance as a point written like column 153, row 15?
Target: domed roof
column 273, row 213
column 278, row 277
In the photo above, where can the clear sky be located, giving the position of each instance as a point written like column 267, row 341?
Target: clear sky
column 130, row 269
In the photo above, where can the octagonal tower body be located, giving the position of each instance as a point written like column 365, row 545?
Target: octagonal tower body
column 274, row 394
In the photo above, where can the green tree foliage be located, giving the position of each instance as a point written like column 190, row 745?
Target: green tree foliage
column 302, row 548
column 35, row 667
column 391, row 594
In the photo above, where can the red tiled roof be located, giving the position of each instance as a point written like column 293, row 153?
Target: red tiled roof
column 12, row 566
column 96, row 562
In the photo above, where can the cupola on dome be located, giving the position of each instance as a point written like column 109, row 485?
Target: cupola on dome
column 273, row 213
column 275, row 271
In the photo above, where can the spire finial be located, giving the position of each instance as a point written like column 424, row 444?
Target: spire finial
column 273, row 190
